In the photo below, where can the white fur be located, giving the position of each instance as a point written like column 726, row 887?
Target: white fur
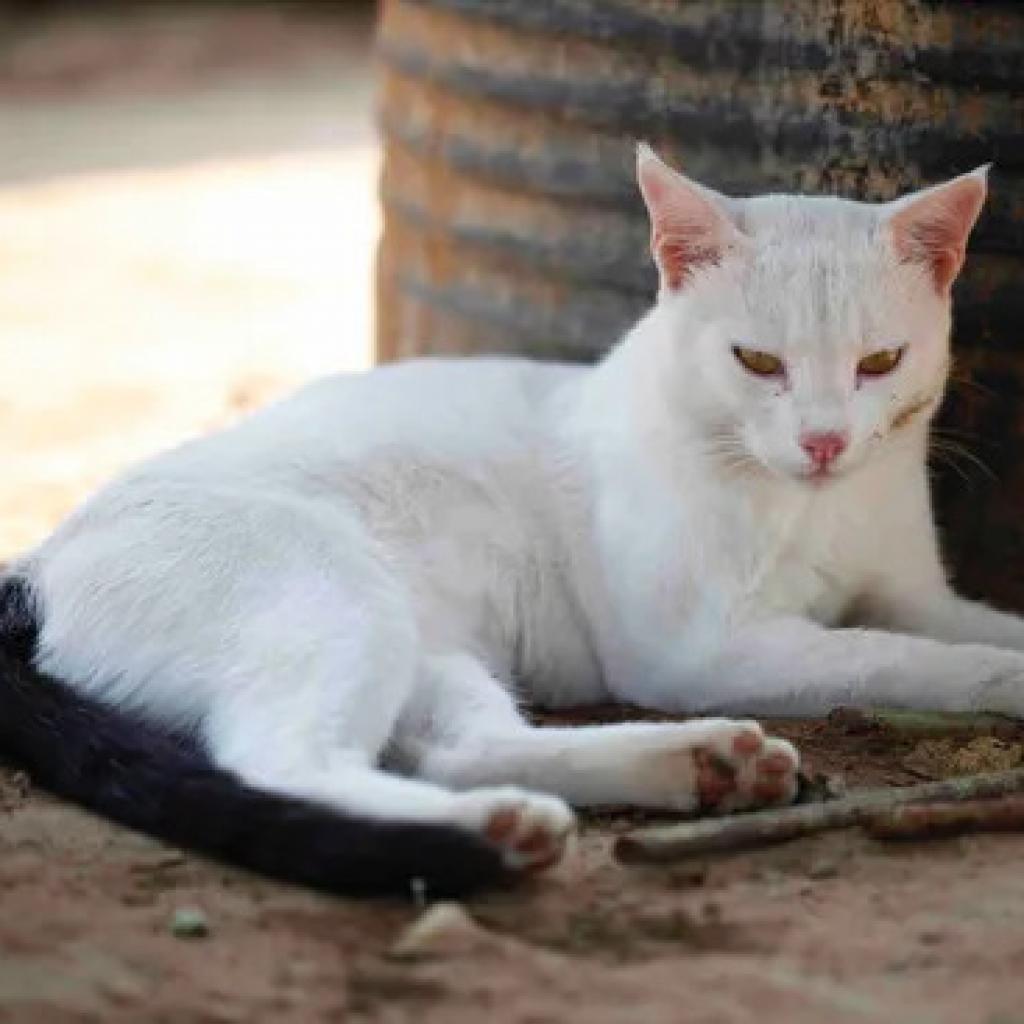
column 381, row 566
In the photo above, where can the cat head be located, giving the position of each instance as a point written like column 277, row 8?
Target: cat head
column 805, row 335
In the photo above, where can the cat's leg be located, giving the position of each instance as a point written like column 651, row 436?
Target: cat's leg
column 794, row 666
column 280, row 635
column 939, row 613
column 313, row 718
column 908, row 592
column 463, row 730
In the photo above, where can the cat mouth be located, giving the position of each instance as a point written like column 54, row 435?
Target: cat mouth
column 818, row 476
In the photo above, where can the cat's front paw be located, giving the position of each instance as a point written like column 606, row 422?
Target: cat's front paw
column 713, row 766
column 532, row 830
column 737, row 767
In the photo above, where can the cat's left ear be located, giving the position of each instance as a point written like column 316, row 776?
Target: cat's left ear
column 931, row 227
column 690, row 228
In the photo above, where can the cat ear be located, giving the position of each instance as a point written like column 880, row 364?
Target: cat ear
column 689, row 226
column 931, row 227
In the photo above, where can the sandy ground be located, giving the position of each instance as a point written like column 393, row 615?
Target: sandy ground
column 176, row 247
column 833, row 929
column 186, row 224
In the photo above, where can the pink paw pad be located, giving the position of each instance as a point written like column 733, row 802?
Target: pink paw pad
column 742, row 768
column 532, row 832
column 716, row 777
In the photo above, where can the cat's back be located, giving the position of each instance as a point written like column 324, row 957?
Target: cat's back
column 408, row 448
column 470, row 417
column 453, row 400
column 442, row 407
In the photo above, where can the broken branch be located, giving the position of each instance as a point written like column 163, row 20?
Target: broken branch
column 932, row 820
column 761, row 828
column 918, row 723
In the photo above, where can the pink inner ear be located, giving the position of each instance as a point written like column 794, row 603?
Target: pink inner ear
column 933, row 229
column 679, row 254
column 687, row 231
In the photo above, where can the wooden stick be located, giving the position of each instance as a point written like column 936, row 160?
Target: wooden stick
column 928, row 821
column 919, row 723
column 761, row 828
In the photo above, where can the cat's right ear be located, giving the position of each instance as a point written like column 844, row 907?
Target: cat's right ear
column 930, row 228
column 690, row 229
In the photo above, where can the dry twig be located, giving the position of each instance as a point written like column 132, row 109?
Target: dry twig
column 761, row 828
column 919, row 723
column 932, row 820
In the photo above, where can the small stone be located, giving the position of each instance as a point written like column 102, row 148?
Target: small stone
column 445, row 929
column 823, row 868
column 189, row 923
column 835, row 786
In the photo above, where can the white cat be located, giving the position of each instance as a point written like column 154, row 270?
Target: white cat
column 373, row 574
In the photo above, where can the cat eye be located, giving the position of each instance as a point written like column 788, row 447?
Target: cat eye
column 883, row 361
column 763, row 364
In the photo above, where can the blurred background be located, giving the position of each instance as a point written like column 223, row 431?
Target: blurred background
column 189, row 214
column 188, row 218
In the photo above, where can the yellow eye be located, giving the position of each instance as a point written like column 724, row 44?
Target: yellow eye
column 881, row 362
column 764, row 364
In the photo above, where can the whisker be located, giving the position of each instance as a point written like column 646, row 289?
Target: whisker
column 726, row 450
column 956, row 432
column 974, row 460
column 941, row 459
column 970, row 382
column 951, row 452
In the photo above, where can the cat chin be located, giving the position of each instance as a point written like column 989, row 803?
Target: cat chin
column 820, row 478
column 802, row 476
column 799, row 475
column 816, row 478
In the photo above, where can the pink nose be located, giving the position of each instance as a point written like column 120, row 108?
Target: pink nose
column 823, row 448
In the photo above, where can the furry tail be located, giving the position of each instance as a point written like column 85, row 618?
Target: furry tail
column 141, row 777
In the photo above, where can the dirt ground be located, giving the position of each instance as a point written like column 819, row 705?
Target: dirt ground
column 169, row 258
column 836, row 928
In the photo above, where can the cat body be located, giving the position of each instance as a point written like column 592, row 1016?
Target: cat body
column 342, row 601
column 380, row 473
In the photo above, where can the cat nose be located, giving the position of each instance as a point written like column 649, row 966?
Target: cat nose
column 824, row 448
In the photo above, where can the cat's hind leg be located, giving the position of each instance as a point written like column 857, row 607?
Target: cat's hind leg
column 463, row 729
column 313, row 718
column 278, row 637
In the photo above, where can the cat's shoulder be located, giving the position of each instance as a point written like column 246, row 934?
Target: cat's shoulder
column 467, row 372
column 417, row 385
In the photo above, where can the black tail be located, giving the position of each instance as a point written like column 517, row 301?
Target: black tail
column 134, row 774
